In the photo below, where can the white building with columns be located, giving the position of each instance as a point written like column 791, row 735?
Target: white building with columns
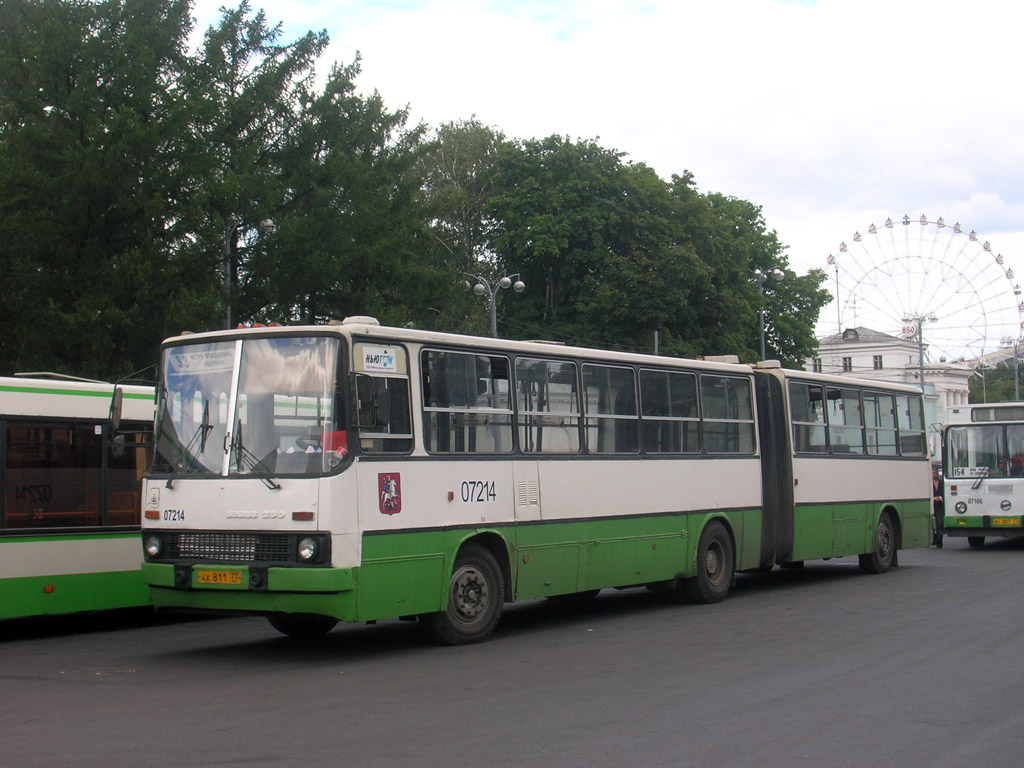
column 868, row 354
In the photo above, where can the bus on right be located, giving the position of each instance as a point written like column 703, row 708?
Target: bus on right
column 983, row 462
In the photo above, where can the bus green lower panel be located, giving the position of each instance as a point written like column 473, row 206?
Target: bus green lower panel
column 403, row 574
column 837, row 530
column 560, row 558
column 917, row 521
column 43, row 595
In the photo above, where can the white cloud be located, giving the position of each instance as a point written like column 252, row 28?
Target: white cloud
column 829, row 114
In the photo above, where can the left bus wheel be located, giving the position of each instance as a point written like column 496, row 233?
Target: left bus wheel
column 302, row 625
column 879, row 560
column 476, row 593
column 715, row 566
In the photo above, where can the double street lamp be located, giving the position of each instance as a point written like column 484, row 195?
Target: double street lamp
column 490, row 288
column 760, row 276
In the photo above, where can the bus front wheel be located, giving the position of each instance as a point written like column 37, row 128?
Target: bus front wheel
column 476, row 593
column 715, row 566
column 879, row 559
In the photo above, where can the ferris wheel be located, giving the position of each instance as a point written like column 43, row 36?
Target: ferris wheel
column 912, row 276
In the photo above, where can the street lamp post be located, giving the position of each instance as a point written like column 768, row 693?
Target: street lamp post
column 230, row 244
column 1015, row 343
column 760, row 276
column 489, row 288
column 919, row 321
column 234, row 224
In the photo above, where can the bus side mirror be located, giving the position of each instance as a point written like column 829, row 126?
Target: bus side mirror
column 114, row 418
column 117, row 446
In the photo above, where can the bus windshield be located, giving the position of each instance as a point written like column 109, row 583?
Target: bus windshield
column 991, row 450
column 260, row 406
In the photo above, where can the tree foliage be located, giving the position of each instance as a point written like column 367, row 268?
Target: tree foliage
column 138, row 172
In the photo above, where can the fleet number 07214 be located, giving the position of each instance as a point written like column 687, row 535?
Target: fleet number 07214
column 478, row 491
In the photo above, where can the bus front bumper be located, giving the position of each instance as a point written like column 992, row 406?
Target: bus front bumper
column 250, row 588
column 983, row 525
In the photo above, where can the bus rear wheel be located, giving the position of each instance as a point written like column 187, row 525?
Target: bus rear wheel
column 881, row 557
column 715, row 566
column 476, row 594
column 302, row 625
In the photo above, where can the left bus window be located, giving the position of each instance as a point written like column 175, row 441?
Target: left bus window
column 191, row 427
column 382, row 398
column 548, row 405
column 910, row 421
column 807, row 411
column 880, row 423
column 671, row 423
column 845, row 423
column 53, row 475
column 466, row 406
column 728, row 414
column 609, row 396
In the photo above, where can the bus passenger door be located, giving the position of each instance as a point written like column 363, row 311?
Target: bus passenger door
column 547, row 557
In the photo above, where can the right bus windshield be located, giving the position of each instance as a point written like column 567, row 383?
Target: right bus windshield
column 991, row 450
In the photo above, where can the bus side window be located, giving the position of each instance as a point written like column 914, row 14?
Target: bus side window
column 466, row 405
column 845, row 422
column 53, row 475
column 382, row 415
column 807, row 413
column 910, row 420
column 727, row 414
column 670, row 420
column 547, row 403
column 609, row 400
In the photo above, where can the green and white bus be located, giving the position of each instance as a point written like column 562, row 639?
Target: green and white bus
column 355, row 472
column 69, row 510
column 983, row 468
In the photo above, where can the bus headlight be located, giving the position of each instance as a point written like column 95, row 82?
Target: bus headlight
column 961, row 507
column 307, row 549
column 153, row 546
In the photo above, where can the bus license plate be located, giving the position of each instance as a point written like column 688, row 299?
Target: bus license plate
column 219, row 577
column 1005, row 521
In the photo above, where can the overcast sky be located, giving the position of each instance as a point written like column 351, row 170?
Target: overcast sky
column 830, row 114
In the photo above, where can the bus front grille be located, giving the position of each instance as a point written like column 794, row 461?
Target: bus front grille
column 223, row 547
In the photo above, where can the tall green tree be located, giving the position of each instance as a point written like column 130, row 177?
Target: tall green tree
column 349, row 230
column 84, row 100
column 248, row 93
column 459, row 168
column 552, row 214
column 732, row 238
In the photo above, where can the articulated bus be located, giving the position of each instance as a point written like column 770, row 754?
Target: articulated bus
column 355, row 472
column 69, row 509
column 983, row 464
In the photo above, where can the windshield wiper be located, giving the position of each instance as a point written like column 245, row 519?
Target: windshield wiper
column 982, row 476
column 186, row 460
column 248, row 462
